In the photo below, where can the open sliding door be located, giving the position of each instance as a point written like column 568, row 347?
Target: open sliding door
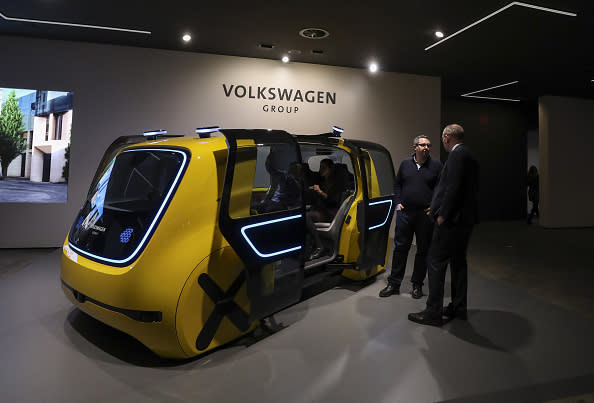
column 375, row 211
column 264, row 227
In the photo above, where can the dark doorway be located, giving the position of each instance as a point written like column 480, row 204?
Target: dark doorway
column 23, row 163
column 47, row 163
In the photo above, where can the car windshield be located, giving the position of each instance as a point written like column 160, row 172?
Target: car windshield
column 126, row 203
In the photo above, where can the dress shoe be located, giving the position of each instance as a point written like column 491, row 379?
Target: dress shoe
column 426, row 318
column 450, row 313
column 417, row 291
column 389, row 290
column 317, row 253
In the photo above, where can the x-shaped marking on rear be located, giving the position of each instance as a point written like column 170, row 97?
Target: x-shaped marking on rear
column 224, row 307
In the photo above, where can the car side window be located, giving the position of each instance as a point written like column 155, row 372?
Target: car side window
column 269, row 176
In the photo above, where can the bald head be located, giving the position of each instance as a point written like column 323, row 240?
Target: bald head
column 454, row 130
column 452, row 135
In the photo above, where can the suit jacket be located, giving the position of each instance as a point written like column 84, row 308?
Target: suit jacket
column 455, row 197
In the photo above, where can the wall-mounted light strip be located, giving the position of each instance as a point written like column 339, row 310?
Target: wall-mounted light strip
column 70, row 24
column 513, row 3
column 470, row 94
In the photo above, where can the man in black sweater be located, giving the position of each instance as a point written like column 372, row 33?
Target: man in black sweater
column 417, row 177
column 455, row 209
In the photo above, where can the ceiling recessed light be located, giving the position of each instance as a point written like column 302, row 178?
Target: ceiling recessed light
column 373, row 67
column 285, row 59
column 187, row 37
column 314, row 33
column 439, row 34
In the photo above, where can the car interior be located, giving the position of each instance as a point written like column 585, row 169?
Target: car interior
column 273, row 167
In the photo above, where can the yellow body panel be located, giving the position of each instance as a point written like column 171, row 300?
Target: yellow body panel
column 187, row 235
column 243, row 179
column 349, row 235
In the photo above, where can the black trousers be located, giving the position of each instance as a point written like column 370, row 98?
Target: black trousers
column 312, row 216
column 448, row 245
column 409, row 223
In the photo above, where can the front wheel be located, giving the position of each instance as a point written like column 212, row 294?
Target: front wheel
column 213, row 308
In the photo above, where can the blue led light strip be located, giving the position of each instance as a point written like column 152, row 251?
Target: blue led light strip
column 157, row 216
column 387, row 215
column 244, row 229
column 337, row 129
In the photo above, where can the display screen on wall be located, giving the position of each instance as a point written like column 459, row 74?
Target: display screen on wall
column 35, row 134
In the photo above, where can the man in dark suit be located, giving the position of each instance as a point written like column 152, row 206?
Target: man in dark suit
column 455, row 210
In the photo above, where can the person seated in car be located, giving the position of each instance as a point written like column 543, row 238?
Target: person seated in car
column 325, row 201
column 310, row 178
column 287, row 188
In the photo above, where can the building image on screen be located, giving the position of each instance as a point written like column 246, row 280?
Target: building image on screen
column 34, row 156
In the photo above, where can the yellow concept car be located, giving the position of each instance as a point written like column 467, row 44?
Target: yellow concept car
column 173, row 247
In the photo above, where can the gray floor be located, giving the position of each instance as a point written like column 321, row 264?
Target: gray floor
column 528, row 338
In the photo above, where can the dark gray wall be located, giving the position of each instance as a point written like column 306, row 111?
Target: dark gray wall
column 566, row 165
column 496, row 133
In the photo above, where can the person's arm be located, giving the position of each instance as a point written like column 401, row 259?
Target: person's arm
column 398, row 188
column 438, row 169
column 319, row 191
column 330, row 194
column 453, row 191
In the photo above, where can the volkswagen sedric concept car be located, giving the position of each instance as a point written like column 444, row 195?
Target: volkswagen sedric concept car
column 173, row 245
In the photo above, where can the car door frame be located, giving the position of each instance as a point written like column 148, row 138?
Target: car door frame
column 374, row 214
column 286, row 265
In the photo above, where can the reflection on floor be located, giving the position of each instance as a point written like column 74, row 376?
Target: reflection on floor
column 13, row 260
column 528, row 337
column 555, row 265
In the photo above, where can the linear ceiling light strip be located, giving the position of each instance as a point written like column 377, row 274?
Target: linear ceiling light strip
column 490, row 88
column 69, row 24
column 514, row 3
column 496, row 99
column 469, row 94
column 549, row 10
